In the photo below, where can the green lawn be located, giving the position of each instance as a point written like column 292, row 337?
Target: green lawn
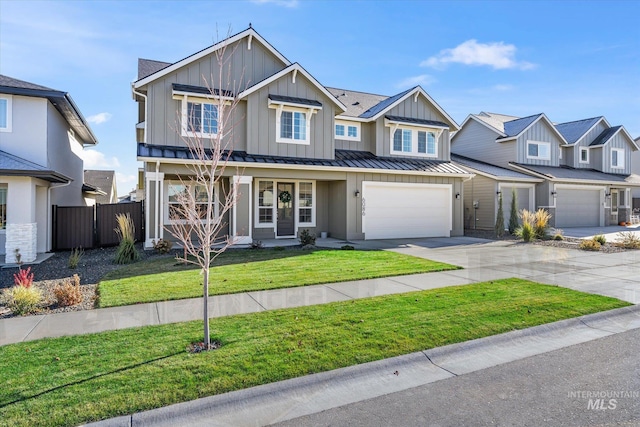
column 161, row 279
column 72, row 380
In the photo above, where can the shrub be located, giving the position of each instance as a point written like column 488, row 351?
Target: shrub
column 256, row 244
column 600, row 239
column 74, row 257
column 68, row 292
column 499, row 228
column 162, row 246
column 628, row 240
column 307, row 238
column 24, row 278
column 126, row 252
column 513, row 217
column 541, row 223
column 525, row 232
column 558, row 236
column 590, row 245
column 22, row 300
column 347, row 248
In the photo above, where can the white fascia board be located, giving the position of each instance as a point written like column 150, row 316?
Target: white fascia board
column 590, row 129
column 418, row 89
column 411, row 124
column 543, row 115
column 179, row 94
column 352, row 119
column 633, row 141
column 295, row 67
column 295, row 104
column 247, row 166
column 196, row 56
column 502, row 178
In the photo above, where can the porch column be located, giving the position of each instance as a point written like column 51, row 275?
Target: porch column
column 22, row 228
column 154, row 224
column 242, row 211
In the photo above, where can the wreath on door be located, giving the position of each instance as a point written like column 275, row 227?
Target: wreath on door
column 285, row 197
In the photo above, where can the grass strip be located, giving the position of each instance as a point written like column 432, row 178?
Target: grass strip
column 162, row 279
column 72, row 380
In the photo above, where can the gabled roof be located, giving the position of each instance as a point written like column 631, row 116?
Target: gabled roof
column 356, row 102
column 384, row 105
column 293, row 68
column 11, row 165
column 103, row 181
column 605, row 136
column 146, row 67
column 516, row 127
column 62, row 101
column 249, row 32
column 492, row 171
column 569, row 174
column 574, row 131
column 494, row 120
column 343, row 159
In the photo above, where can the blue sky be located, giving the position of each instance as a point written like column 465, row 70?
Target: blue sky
column 568, row 59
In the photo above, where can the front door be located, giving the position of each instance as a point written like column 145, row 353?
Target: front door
column 286, row 207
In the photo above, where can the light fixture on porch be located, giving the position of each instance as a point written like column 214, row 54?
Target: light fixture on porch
column 457, row 196
column 607, row 195
column 499, row 192
column 554, row 193
column 357, row 193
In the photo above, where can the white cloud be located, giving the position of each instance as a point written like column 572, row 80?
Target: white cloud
column 94, row 159
column 422, row 80
column 498, row 55
column 99, row 118
column 284, row 3
column 125, row 183
column 502, row 87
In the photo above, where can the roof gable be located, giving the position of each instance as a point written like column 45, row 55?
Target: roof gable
column 576, row 130
column 249, row 33
column 608, row 134
column 146, row 67
column 515, row 128
column 356, row 102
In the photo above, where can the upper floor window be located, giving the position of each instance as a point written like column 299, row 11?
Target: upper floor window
column 293, row 125
column 584, row 155
column 200, row 118
column 5, row 113
column 414, row 142
column 538, row 150
column 617, row 158
column 348, row 131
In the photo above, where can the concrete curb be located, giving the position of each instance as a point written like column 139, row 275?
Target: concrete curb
column 289, row 399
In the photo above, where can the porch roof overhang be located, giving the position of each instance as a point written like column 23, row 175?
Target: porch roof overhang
column 565, row 174
column 11, row 165
column 345, row 160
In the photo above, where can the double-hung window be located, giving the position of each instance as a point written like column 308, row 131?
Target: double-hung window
column 180, row 195
column 584, row 155
column 5, row 113
column 293, row 125
column 305, row 202
column 199, row 118
column 414, row 142
column 265, row 202
column 617, row 158
column 537, row 150
column 346, row 130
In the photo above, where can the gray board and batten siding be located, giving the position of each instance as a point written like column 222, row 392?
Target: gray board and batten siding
column 543, row 132
column 572, row 154
column 617, row 141
column 478, row 141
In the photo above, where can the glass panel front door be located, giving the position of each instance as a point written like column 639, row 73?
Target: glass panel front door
column 286, row 219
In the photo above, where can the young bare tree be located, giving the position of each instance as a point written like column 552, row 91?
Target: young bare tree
column 196, row 210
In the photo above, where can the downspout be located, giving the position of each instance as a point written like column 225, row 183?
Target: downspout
column 144, row 136
column 49, row 216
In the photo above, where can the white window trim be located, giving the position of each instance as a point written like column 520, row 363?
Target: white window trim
column 583, row 149
column 9, row 99
column 346, row 125
column 308, row 111
column 185, row 131
column 547, row 144
column 167, row 217
column 414, row 140
column 273, row 225
column 621, row 158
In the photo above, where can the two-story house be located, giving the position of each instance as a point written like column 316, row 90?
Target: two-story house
column 584, row 167
column 42, row 134
column 352, row 164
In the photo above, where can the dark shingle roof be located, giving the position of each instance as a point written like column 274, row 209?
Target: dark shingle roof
column 489, row 169
column 570, row 174
column 293, row 100
column 417, row 121
column 605, row 136
column 103, row 181
column 17, row 166
column 356, row 102
column 573, row 131
column 7, row 81
column 200, row 90
column 146, row 67
column 383, row 104
column 343, row 159
column 515, row 127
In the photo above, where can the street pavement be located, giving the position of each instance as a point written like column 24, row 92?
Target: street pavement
column 596, row 383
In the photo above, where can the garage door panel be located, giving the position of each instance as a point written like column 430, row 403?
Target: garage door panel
column 402, row 210
column 577, row 208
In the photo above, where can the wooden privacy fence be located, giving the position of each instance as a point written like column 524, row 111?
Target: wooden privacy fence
column 94, row 226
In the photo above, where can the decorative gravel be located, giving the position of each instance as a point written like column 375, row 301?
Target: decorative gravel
column 93, row 265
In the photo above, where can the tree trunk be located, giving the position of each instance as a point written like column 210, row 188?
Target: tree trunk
column 207, row 337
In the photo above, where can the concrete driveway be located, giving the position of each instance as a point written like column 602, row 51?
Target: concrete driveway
column 611, row 232
column 616, row 275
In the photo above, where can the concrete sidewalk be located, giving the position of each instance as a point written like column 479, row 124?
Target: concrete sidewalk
column 286, row 400
column 614, row 275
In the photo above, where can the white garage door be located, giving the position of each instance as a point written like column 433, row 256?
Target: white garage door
column 577, row 208
column 399, row 210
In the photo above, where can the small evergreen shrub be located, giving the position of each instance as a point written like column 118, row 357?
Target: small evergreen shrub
column 24, row 278
column 628, row 240
column 22, row 300
column 75, row 257
column 347, row 248
column 600, row 239
column 256, row 244
column 162, row 246
column 590, row 245
column 513, row 217
column 307, row 238
column 499, row 228
column 126, row 252
column 68, row 292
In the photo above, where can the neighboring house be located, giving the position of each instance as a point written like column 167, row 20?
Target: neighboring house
column 635, row 168
column 355, row 165
column 585, row 166
column 104, row 181
column 42, row 134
